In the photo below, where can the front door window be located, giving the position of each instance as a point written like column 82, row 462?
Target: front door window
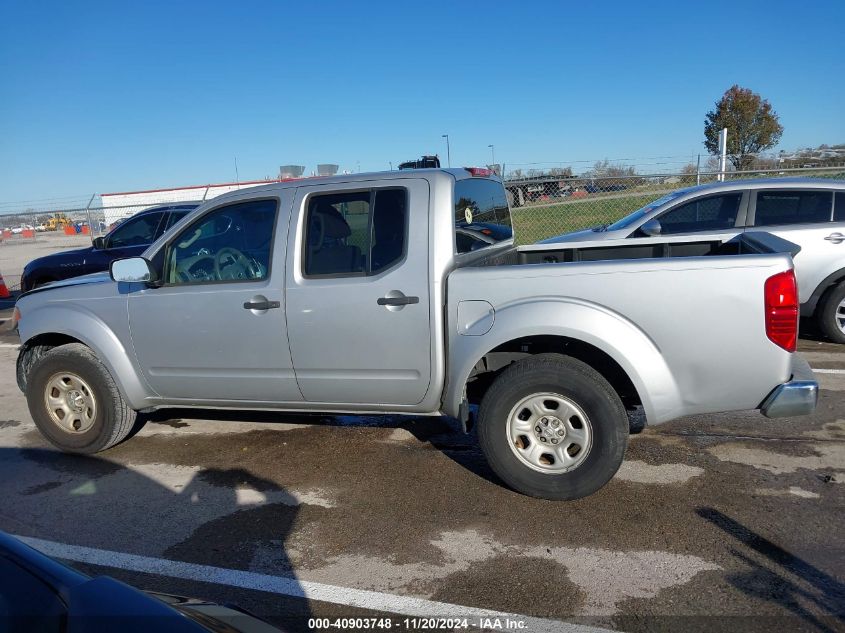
column 230, row 244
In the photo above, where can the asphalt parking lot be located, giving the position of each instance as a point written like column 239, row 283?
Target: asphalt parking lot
column 720, row 521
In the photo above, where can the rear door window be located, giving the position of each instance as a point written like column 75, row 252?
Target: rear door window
column 711, row 213
column 792, row 207
column 482, row 217
column 355, row 233
column 173, row 218
column 839, row 210
column 135, row 231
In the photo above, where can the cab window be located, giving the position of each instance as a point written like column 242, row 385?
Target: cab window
column 230, row 244
column 711, row 213
column 482, row 217
column 355, row 233
column 135, row 231
column 792, row 207
column 173, row 218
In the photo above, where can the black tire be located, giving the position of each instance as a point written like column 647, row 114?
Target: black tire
column 827, row 317
column 580, row 384
column 113, row 420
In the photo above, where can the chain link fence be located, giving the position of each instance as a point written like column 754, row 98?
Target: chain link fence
column 543, row 205
column 29, row 234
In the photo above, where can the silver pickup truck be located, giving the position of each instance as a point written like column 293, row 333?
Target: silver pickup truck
column 403, row 292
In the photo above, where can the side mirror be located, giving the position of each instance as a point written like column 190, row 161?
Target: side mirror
column 651, row 228
column 132, row 270
column 99, row 243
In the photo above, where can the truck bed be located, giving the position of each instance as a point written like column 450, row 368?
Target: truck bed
column 684, row 318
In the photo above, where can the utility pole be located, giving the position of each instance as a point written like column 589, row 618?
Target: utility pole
column 723, row 153
column 448, row 151
column 698, row 171
column 237, row 176
column 493, row 155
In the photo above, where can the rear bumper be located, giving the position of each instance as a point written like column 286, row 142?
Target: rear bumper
column 796, row 397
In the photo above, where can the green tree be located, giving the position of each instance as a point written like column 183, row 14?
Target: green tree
column 753, row 126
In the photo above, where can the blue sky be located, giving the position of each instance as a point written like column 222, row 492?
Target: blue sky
column 111, row 96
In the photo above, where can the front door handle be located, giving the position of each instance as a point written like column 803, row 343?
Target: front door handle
column 836, row 238
column 262, row 305
column 397, row 301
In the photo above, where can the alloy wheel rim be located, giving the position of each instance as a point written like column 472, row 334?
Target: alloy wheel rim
column 70, row 403
column 549, row 433
column 840, row 315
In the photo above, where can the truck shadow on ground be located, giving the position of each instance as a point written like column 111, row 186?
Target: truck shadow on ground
column 441, row 433
column 172, row 521
column 776, row 575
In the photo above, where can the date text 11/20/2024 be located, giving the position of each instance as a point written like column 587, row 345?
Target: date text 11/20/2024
column 491, row 623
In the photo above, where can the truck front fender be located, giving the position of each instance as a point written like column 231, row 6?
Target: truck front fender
column 69, row 320
column 569, row 318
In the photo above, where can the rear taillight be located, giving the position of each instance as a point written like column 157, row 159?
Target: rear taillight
column 782, row 310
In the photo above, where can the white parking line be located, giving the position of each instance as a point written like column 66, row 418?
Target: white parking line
column 10, row 345
column 829, row 371
column 280, row 585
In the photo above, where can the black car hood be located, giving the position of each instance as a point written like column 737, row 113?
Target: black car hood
column 93, row 278
column 72, row 255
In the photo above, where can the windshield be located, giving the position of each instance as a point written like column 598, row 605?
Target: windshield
column 632, row 218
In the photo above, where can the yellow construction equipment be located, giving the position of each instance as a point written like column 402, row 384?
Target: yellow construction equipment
column 58, row 221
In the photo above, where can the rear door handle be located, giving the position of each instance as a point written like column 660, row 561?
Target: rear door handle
column 397, row 301
column 836, row 238
column 262, row 305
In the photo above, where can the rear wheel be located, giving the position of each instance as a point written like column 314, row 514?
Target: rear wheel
column 75, row 402
column 552, row 427
column 831, row 316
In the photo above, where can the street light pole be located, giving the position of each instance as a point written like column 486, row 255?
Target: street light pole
column 492, row 154
column 448, row 151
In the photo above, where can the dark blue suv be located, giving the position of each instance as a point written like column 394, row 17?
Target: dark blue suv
column 129, row 239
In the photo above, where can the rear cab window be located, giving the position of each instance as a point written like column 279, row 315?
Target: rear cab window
column 839, row 208
column 778, row 207
column 482, row 217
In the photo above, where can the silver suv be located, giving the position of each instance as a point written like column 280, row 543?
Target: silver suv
column 807, row 212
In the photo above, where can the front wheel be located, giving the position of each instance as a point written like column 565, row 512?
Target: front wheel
column 553, row 427
column 75, row 402
column 832, row 314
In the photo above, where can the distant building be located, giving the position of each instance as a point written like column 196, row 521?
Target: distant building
column 126, row 203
